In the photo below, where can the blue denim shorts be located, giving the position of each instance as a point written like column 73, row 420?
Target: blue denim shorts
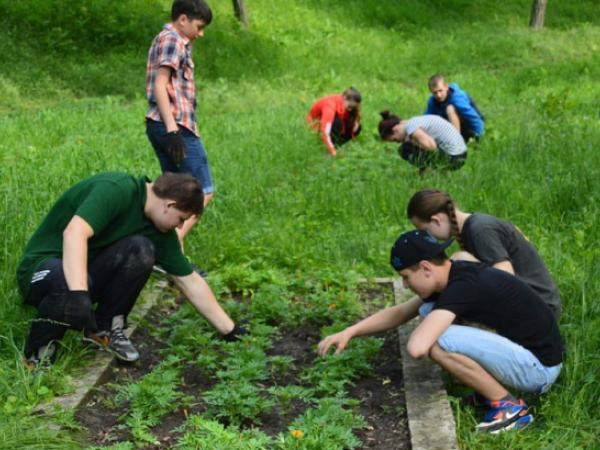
column 195, row 162
column 508, row 362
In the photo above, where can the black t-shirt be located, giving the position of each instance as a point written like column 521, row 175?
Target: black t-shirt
column 498, row 300
column 492, row 240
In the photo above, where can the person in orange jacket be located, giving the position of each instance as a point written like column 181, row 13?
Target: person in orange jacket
column 337, row 117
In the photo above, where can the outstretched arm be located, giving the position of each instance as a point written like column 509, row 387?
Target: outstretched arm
column 383, row 320
column 326, row 123
column 200, row 295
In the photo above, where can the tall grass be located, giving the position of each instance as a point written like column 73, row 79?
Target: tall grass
column 73, row 105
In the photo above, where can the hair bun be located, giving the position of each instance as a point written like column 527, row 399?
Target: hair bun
column 385, row 114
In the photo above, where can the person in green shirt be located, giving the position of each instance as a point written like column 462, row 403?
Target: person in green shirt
column 97, row 245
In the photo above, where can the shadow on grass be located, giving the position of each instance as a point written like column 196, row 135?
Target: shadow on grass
column 443, row 15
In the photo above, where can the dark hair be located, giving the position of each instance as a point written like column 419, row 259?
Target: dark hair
column 193, row 9
column 387, row 124
column 427, row 202
column 434, row 80
column 437, row 260
column 184, row 189
column 352, row 94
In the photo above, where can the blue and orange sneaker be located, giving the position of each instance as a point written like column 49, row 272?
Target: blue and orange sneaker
column 505, row 415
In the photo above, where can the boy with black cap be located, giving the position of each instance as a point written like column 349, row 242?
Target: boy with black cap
column 525, row 353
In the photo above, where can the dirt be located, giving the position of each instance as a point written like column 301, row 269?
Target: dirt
column 381, row 394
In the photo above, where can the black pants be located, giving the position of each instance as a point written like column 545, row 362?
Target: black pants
column 116, row 277
column 468, row 134
column 342, row 132
column 424, row 158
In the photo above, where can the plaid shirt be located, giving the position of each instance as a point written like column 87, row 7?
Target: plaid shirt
column 172, row 50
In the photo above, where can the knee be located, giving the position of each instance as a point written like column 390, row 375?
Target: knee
column 62, row 308
column 142, row 251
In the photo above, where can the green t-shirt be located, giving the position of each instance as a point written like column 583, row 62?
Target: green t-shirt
column 112, row 204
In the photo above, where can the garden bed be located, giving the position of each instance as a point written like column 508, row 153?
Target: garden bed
column 268, row 391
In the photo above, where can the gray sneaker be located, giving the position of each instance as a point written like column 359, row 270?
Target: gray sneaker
column 114, row 341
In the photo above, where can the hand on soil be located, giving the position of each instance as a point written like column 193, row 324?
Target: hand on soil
column 339, row 340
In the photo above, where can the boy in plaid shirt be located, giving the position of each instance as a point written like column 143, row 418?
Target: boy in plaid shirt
column 171, row 92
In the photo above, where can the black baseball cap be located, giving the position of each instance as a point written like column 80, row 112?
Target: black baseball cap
column 414, row 246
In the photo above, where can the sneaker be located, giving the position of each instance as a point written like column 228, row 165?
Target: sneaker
column 114, row 341
column 502, row 415
column 519, row 424
column 42, row 358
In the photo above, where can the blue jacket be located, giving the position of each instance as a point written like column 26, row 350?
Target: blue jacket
column 464, row 105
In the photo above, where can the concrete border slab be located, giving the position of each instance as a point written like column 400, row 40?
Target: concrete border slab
column 430, row 419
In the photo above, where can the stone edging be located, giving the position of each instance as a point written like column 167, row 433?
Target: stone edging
column 99, row 368
column 430, row 418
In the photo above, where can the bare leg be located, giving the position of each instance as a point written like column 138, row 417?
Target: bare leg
column 468, row 372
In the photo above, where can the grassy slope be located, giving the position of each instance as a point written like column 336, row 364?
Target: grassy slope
column 280, row 203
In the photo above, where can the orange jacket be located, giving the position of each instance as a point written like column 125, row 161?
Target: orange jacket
column 322, row 115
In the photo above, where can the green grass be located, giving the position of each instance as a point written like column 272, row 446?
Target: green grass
column 72, row 105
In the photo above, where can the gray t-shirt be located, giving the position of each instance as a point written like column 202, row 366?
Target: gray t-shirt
column 447, row 138
column 493, row 240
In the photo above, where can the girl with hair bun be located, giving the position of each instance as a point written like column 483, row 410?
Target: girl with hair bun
column 427, row 141
column 337, row 117
column 491, row 240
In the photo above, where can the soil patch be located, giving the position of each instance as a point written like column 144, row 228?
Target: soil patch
column 381, row 395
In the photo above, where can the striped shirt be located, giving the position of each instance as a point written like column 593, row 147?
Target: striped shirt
column 447, row 138
column 170, row 49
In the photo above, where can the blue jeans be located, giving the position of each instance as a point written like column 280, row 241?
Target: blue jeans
column 508, row 362
column 195, row 162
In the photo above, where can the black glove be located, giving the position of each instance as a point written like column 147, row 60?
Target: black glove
column 79, row 312
column 175, row 147
column 235, row 334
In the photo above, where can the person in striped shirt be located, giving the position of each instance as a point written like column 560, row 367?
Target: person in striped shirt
column 337, row 117
column 427, row 141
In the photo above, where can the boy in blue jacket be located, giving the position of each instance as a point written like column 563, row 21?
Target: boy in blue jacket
column 456, row 106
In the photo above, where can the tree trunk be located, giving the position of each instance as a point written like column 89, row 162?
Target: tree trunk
column 538, row 11
column 239, row 7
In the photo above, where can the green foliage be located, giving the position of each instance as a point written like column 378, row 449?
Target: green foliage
column 329, row 426
column 331, row 375
column 284, row 215
column 237, row 402
column 280, row 365
column 150, row 399
column 118, row 446
column 201, row 433
column 285, row 395
column 69, row 25
column 272, row 306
